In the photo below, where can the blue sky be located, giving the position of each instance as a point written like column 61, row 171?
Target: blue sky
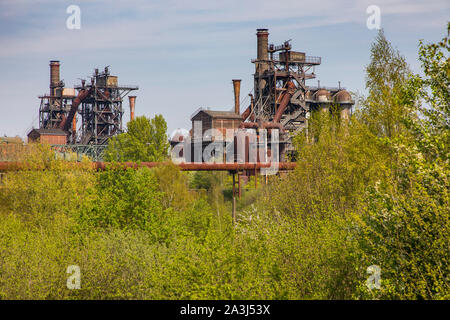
column 183, row 54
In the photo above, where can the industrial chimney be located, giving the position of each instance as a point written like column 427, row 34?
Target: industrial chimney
column 237, row 92
column 132, row 104
column 262, row 54
column 54, row 76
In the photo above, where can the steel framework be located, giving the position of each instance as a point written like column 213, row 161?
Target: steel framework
column 53, row 109
column 281, row 98
column 92, row 151
column 55, row 106
column 101, row 111
column 272, row 75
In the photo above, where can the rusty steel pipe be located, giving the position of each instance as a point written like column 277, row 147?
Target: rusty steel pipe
column 246, row 113
column 264, row 125
column 192, row 166
column 287, row 95
column 76, row 102
column 273, row 125
column 249, row 110
column 249, row 125
column 132, row 100
column 237, row 93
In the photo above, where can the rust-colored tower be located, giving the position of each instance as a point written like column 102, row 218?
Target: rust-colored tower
column 132, row 100
column 237, row 93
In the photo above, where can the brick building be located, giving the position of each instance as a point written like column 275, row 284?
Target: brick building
column 50, row 136
column 220, row 120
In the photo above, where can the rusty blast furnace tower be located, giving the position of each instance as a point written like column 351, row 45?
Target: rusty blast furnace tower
column 281, row 98
column 55, row 106
column 102, row 111
column 99, row 103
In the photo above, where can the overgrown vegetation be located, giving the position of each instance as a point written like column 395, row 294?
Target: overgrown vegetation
column 145, row 140
column 371, row 191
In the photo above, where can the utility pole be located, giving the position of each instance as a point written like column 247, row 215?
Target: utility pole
column 239, row 186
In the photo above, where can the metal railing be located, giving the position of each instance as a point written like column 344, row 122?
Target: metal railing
column 314, row 88
column 313, row 60
column 92, row 151
column 307, row 60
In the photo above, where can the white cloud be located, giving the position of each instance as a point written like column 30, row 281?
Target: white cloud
column 159, row 23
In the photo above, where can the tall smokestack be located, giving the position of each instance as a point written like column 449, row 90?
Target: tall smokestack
column 54, row 76
column 262, row 45
column 237, row 93
column 132, row 104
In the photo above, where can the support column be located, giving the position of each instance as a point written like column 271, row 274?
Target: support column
column 234, row 200
column 239, row 185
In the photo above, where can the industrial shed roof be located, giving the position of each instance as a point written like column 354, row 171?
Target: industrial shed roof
column 49, row 132
column 218, row 114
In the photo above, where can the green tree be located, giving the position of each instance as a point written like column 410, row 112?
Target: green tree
column 407, row 221
column 145, row 140
column 386, row 75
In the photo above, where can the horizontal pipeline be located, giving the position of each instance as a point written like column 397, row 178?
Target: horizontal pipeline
column 192, row 166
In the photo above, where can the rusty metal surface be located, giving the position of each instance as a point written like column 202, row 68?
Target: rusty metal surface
column 132, row 100
column 343, row 96
column 264, row 125
column 54, row 76
column 249, row 125
column 284, row 101
column 74, row 125
column 237, row 93
column 15, row 166
column 76, row 102
column 249, row 111
column 246, row 113
column 263, row 46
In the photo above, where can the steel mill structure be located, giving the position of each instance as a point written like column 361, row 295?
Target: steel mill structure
column 55, row 106
column 281, row 103
column 281, row 100
column 281, row 97
column 101, row 110
column 99, row 104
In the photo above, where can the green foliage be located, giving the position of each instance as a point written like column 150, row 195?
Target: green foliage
column 174, row 185
column 128, row 199
column 145, row 140
column 40, row 196
column 406, row 233
column 407, row 225
column 371, row 191
column 332, row 171
column 386, row 75
column 212, row 182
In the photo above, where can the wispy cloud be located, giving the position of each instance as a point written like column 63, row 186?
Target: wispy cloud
column 138, row 23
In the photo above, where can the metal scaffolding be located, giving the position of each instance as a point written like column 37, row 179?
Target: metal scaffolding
column 55, row 106
column 281, row 97
column 102, row 111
